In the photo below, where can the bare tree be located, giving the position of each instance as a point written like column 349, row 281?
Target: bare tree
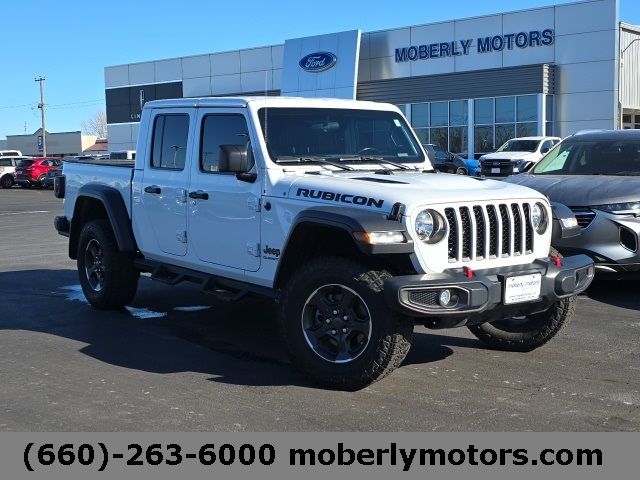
column 96, row 125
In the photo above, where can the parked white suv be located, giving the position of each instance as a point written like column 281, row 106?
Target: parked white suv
column 8, row 169
column 516, row 156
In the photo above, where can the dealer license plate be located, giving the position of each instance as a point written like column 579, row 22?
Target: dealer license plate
column 495, row 170
column 523, row 288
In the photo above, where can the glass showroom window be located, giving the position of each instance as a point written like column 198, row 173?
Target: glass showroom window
column 499, row 119
column 484, row 120
column 439, row 125
column 548, row 115
column 458, row 121
column 505, row 119
column 443, row 124
column 420, row 121
column 527, row 116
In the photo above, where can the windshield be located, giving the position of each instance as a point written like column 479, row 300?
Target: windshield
column 346, row 134
column 25, row 163
column 516, row 145
column 592, row 158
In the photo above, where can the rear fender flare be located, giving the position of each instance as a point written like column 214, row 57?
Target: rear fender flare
column 116, row 212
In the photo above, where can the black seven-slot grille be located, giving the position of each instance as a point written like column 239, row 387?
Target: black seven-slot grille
column 483, row 231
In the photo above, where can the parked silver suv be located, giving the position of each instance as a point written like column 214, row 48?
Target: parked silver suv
column 596, row 174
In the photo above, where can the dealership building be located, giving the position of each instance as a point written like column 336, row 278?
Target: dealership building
column 466, row 85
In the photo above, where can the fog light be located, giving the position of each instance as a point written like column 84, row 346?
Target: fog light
column 444, row 298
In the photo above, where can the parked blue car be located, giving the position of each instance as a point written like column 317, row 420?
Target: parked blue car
column 473, row 166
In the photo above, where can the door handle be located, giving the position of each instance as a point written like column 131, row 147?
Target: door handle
column 153, row 189
column 199, row 195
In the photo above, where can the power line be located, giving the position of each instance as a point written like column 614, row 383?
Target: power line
column 70, row 104
column 18, row 106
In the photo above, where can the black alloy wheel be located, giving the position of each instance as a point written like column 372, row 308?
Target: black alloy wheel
column 336, row 323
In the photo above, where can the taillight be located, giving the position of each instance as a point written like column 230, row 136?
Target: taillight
column 58, row 186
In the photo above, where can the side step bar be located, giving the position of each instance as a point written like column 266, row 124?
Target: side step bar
column 222, row 288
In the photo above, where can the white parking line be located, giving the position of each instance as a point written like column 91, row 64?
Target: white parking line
column 24, row 213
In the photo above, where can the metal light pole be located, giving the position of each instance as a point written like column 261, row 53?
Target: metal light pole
column 41, row 80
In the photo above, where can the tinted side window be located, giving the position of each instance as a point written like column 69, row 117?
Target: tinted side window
column 220, row 130
column 5, row 162
column 547, row 144
column 170, row 134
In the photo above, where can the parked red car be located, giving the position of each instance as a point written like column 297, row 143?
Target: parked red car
column 33, row 171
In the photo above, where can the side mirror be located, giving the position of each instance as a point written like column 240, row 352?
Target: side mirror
column 237, row 159
column 233, row 158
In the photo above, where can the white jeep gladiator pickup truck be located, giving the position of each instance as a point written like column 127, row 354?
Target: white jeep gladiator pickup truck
column 332, row 208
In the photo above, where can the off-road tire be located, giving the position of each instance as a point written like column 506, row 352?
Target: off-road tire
column 120, row 277
column 533, row 332
column 390, row 337
column 6, row 181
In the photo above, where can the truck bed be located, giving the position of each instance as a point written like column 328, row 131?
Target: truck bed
column 117, row 174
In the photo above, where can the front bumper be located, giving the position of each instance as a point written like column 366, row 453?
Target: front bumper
column 612, row 241
column 480, row 298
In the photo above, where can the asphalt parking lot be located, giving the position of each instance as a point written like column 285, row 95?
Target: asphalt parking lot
column 179, row 360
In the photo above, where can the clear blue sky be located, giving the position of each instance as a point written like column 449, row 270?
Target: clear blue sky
column 71, row 41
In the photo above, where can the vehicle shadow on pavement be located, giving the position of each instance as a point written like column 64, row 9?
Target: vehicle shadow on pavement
column 170, row 330
column 617, row 293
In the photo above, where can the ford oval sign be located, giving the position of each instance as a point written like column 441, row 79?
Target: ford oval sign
column 318, row 62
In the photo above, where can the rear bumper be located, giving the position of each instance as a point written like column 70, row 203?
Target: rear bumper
column 481, row 298
column 62, row 225
column 24, row 180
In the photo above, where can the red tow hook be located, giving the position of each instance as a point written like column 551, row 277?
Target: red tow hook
column 557, row 261
column 468, row 272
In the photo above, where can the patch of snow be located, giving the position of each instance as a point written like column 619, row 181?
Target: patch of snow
column 145, row 313
column 74, row 293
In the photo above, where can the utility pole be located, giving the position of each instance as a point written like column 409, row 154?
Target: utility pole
column 41, row 105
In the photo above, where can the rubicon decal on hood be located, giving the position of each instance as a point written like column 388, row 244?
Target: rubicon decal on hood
column 340, row 197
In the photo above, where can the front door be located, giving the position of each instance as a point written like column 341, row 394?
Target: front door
column 224, row 219
column 165, row 181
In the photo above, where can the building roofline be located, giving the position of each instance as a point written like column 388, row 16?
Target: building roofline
column 629, row 26
column 533, row 9
column 48, row 133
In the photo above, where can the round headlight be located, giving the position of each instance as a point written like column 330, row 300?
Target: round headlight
column 430, row 226
column 539, row 218
column 425, row 225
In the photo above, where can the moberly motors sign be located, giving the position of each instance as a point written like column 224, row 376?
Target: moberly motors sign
column 496, row 43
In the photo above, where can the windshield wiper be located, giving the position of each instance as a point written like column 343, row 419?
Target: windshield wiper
column 627, row 172
column 378, row 160
column 315, row 160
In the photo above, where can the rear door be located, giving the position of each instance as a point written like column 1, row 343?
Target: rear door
column 165, row 180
